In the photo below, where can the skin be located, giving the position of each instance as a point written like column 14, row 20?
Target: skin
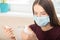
column 39, row 11
column 9, row 33
column 24, row 36
column 29, row 35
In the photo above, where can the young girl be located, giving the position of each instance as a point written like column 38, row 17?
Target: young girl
column 46, row 25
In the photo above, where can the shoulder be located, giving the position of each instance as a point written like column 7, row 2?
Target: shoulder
column 58, row 28
column 57, row 31
column 58, row 37
column 33, row 26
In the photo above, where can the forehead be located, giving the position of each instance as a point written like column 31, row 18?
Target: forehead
column 38, row 8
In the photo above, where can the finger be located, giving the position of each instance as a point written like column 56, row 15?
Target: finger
column 6, row 27
column 6, row 30
column 10, row 34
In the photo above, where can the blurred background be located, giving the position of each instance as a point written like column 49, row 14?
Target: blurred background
column 18, row 13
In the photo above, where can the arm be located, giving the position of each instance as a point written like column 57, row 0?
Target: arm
column 30, row 35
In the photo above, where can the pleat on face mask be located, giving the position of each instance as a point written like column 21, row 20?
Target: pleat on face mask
column 41, row 21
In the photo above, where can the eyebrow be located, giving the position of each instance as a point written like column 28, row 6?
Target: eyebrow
column 40, row 12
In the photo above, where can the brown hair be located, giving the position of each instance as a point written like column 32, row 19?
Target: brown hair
column 49, row 8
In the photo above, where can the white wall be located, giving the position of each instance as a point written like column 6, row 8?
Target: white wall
column 57, row 6
column 19, row 8
column 25, row 6
column 21, row 5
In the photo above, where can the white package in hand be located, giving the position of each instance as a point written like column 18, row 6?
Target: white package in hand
column 17, row 32
column 26, row 30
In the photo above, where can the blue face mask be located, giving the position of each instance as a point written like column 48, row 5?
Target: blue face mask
column 41, row 21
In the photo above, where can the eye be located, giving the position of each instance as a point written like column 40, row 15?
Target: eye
column 43, row 13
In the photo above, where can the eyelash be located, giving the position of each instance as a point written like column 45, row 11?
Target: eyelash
column 43, row 13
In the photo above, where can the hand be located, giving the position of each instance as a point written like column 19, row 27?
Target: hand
column 9, row 32
column 30, row 35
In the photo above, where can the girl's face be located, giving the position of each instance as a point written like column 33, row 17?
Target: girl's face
column 39, row 11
